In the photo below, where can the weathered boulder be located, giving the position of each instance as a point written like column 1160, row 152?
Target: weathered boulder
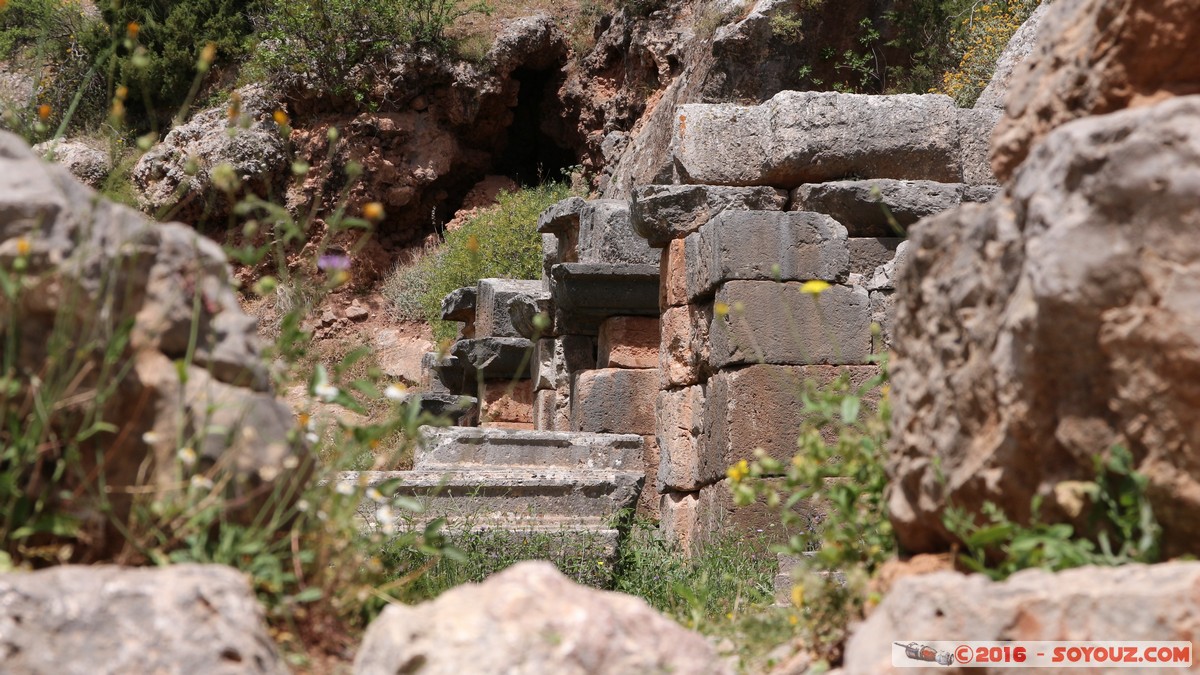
column 184, row 173
column 1094, row 57
column 102, row 620
column 1058, row 320
column 661, row 213
column 531, row 619
column 93, row 270
column 86, row 162
column 809, row 137
column 1015, row 53
column 1134, row 602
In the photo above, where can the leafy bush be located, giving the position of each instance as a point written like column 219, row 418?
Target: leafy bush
column 1121, row 526
column 501, row 241
column 977, row 41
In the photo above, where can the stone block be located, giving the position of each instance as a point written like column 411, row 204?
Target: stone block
column 473, row 448
column 683, row 466
column 510, row 426
column 689, row 520
column 760, row 407
column 459, row 304
column 558, row 358
column 628, row 342
column 647, row 506
column 777, row 323
column 510, row 401
column 454, row 408
column 662, row 213
column 684, row 353
column 975, row 126
column 867, row 253
column 585, row 294
column 431, row 375
column 492, row 318
column 810, row 137
column 523, row 311
column 672, row 289
column 606, row 235
column 765, row 245
column 883, row 305
column 497, row 358
column 547, row 414
column 864, row 206
column 614, row 400
column 561, row 217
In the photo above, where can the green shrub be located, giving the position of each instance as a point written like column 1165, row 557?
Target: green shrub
column 976, row 42
column 501, row 242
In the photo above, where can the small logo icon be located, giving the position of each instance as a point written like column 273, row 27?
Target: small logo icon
column 920, row 652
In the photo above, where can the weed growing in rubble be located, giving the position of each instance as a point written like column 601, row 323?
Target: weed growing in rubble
column 1120, row 527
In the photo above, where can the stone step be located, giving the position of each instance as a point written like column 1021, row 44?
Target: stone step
column 585, row 294
column 512, row 496
column 471, row 448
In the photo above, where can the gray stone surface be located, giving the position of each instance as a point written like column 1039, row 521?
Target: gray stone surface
column 809, row 137
column 683, row 465
column 769, row 322
column 85, row 161
column 455, row 408
column 585, row 294
column 1135, row 602
column 108, row 620
column 615, row 400
column 532, row 619
column 459, row 304
column 606, row 235
column 975, row 138
column 523, row 310
column 864, row 206
column 439, row 372
column 497, row 358
column 492, row 318
column 561, row 217
column 461, row 448
column 559, row 358
column 765, row 245
column 1051, row 324
column 661, row 213
column 883, row 278
column 1019, row 47
column 868, row 253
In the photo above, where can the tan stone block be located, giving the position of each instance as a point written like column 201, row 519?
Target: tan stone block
column 629, row 342
column 648, row 501
column 684, row 354
column 690, row 519
column 673, row 268
column 679, row 433
column 517, row 426
column 614, row 400
column 543, row 409
column 507, row 401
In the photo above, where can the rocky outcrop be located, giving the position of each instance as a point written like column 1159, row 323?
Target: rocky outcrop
column 192, row 173
column 109, row 620
column 1095, row 57
column 1055, row 322
column 1135, row 602
column 161, row 348
column 86, row 162
column 1015, row 53
column 531, row 619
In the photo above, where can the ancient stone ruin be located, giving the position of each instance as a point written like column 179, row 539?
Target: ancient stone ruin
column 670, row 335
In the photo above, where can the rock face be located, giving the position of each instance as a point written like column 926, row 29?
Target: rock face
column 1094, row 57
column 87, row 163
column 1136, row 602
column 1053, row 323
column 93, row 267
column 1018, row 49
column 531, row 619
column 181, row 173
column 107, row 620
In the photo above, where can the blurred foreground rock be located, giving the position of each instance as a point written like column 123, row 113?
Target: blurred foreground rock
column 531, row 619
column 109, row 620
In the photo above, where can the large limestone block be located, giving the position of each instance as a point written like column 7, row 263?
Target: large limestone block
column 628, row 342
column 760, row 407
column 606, row 235
column 683, row 466
column 1036, row 332
column 531, row 619
column 1129, row 603
column 1094, row 57
column 689, row 520
column 809, row 137
column 107, row 620
column 765, row 245
column 882, row 207
column 661, row 213
column 684, row 357
column 447, row 448
column 614, row 400
column 769, row 322
column 492, row 318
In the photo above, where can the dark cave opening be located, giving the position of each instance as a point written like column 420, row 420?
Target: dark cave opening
column 530, row 156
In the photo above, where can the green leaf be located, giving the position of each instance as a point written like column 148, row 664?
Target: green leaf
column 850, row 408
column 310, row 594
column 989, row 536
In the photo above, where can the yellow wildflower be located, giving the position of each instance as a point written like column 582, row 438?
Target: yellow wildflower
column 43, row 111
column 132, row 29
column 280, row 117
column 738, row 471
column 814, row 287
column 373, row 212
column 23, row 247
